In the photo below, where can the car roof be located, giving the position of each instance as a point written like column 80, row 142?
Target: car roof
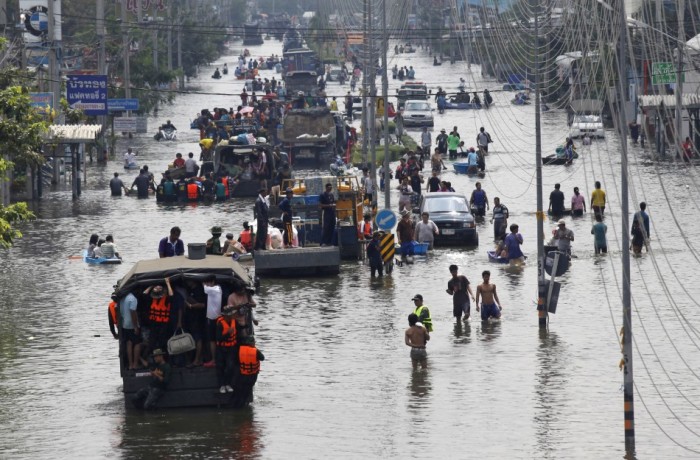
column 431, row 195
column 417, row 101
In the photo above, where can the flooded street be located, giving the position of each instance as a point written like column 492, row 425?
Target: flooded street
column 337, row 381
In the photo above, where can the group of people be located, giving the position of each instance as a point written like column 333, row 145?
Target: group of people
column 420, row 323
column 99, row 248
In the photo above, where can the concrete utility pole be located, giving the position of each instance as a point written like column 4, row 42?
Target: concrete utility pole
column 54, row 70
column 125, row 46
column 372, row 119
column 365, row 50
column 680, row 12
column 181, row 85
column 101, row 66
column 627, row 352
column 170, row 36
column 385, row 96
column 542, row 313
column 154, row 24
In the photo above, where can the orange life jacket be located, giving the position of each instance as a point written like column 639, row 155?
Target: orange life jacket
column 229, row 341
column 367, row 229
column 160, row 310
column 192, row 192
column 246, row 239
column 248, row 357
column 113, row 312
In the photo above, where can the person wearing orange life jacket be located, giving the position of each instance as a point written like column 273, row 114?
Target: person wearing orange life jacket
column 249, row 358
column 113, row 317
column 193, row 191
column 226, row 349
column 246, row 237
column 366, row 228
column 160, row 314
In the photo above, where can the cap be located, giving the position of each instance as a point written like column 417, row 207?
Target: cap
column 442, row 130
column 289, row 190
column 158, row 352
column 417, row 297
column 561, row 222
column 157, row 292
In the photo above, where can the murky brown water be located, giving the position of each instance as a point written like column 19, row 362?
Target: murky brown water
column 338, row 381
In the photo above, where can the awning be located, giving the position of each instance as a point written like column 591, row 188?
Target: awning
column 73, row 133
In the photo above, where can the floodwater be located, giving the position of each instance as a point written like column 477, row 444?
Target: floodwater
column 338, row 380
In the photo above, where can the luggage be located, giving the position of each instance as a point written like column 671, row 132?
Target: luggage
column 180, row 343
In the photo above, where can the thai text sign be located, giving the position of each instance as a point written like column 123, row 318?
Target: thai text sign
column 87, row 93
column 663, row 73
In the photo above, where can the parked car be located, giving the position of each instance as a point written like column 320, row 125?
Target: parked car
column 591, row 125
column 418, row 113
column 451, row 214
column 334, row 75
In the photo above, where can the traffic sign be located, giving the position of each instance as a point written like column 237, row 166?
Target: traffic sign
column 386, row 219
column 41, row 100
column 122, row 105
column 87, row 93
column 556, row 263
column 663, row 73
column 387, row 247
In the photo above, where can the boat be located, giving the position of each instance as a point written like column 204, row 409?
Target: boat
column 189, row 387
column 451, row 104
column 495, row 258
column 463, row 168
column 131, row 166
column 517, row 101
column 100, row 260
column 216, row 76
column 558, row 158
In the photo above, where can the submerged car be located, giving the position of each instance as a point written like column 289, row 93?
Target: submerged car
column 451, row 214
column 587, row 125
column 418, row 113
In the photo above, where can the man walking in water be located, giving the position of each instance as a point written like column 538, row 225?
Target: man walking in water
column 417, row 338
column 479, row 201
column 458, row 287
column 598, row 200
column 491, row 304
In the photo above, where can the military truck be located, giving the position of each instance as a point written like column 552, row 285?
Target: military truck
column 314, row 135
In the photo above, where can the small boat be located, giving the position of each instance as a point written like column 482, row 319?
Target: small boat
column 461, row 105
column 131, row 166
column 463, row 168
column 100, row 260
column 225, row 71
column 519, row 102
column 558, row 158
column 495, row 258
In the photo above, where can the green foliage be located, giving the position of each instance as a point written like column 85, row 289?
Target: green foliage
column 21, row 128
column 10, row 216
column 73, row 116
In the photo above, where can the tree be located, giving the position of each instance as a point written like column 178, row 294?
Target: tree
column 21, row 129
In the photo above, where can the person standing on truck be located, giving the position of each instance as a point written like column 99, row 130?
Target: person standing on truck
column 348, row 106
column 286, row 208
column 327, row 201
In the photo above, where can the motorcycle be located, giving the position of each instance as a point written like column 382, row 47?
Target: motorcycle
column 166, row 135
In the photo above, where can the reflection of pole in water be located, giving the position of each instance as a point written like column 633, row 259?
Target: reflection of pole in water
column 550, row 399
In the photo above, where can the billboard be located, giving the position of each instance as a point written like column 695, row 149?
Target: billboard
column 35, row 20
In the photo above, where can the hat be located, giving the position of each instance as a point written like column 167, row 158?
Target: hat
column 442, row 130
column 228, row 310
column 289, row 190
column 157, row 292
column 561, row 222
column 417, row 297
column 405, row 212
column 216, row 229
column 158, row 352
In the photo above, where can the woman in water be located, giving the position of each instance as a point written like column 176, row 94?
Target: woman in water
column 94, row 238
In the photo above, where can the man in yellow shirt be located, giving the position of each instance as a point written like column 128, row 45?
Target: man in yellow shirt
column 334, row 105
column 598, row 200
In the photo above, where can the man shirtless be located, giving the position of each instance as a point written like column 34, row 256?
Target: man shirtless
column 417, row 337
column 487, row 292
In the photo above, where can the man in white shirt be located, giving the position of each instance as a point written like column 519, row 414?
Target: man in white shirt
column 191, row 166
column 129, row 157
column 213, row 292
column 368, row 184
column 483, row 139
column 426, row 230
column 109, row 249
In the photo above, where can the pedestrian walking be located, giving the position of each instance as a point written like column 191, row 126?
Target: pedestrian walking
column 598, row 200
column 486, row 292
column 458, row 287
column 600, row 241
column 417, row 337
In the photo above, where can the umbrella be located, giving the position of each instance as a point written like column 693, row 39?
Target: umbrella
column 246, row 110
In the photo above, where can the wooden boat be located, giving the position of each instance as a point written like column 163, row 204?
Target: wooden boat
column 189, row 387
column 495, row 258
column 558, row 159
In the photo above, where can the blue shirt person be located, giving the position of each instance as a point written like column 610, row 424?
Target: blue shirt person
column 512, row 243
column 599, row 229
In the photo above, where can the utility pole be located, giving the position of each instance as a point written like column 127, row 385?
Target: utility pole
column 101, row 66
column 179, row 47
column 125, row 46
column 372, row 121
column 627, row 353
column 365, row 48
column 542, row 312
column 170, row 37
column 54, row 78
column 680, row 12
column 154, row 24
column 385, row 96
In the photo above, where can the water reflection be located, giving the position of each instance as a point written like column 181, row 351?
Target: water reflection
column 490, row 330
column 420, row 387
column 178, row 434
column 462, row 331
column 550, row 396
